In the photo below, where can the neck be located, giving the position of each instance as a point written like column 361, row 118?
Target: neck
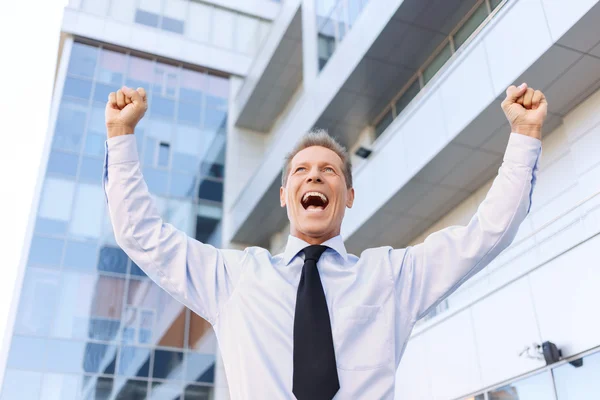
column 313, row 239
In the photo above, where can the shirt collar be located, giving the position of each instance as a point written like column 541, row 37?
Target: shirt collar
column 296, row 245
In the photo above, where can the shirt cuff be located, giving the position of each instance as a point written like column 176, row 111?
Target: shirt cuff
column 523, row 150
column 121, row 149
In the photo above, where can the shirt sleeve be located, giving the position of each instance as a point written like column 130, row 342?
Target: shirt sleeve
column 196, row 274
column 430, row 271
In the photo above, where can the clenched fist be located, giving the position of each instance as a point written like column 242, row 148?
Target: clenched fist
column 124, row 110
column 526, row 110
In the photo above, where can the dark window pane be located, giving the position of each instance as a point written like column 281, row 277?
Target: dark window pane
column 212, row 169
column 146, row 18
column 407, row 96
column 112, row 259
column 164, row 151
column 533, row 388
column 137, row 271
column 182, row 185
column 495, row 3
column 185, row 162
column 189, row 113
column 133, row 390
column 80, row 255
column 50, row 226
column 167, row 364
column 39, row 299
column 78, row 88
column 94, row 144
column 193, row 392
column 157, row 180
column 384, row 123
column 62, row 163
column 326, row 47
column 579, row 383
column 200, row 368
column 205, row 227
column 437, row 63
column 70, row 125
column 67, row 356
column 111, row 68
column 27, row 353
column 91, row 170
column 470, row 25
column 102, row 91
column 134, row 361
column 172, row 25
column 101, row 389
column 211, row 190
column 161, row 107
column 45, row 252
column 83, row 60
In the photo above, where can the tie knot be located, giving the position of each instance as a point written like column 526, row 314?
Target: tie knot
column 314, row 252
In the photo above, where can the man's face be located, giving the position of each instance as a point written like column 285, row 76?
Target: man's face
column 316, row 195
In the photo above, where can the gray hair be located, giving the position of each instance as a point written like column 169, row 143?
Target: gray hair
column 319, row 137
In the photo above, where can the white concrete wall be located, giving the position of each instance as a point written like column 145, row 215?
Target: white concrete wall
column 543, row 287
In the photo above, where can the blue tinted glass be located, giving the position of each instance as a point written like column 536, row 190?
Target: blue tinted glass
column 21, row 385
column 579, row 383
column 182, row 185
column 149, row 151
column 45, row 251
column 162, row 108
column 195, row 392
column 145, row 336
column 213, row 169
column 134, row 361
column 137, row 271
column 164, row 151
column 102, row 91
column 67, row 356
column 78, row 88
column 146, row 18
column 103, row 329
column 38, row 303
column 172, row 25
column 112, row 259
column 96, row 122
column 50, row 226
column 189, row 113
column 62, row 163
column 157, row 180
column 83, row 60
column 199, row 367
column 80, row 255
column 27, row 353
column 217, row 103
column 70, row 125
column 134, row 390
column 94, row 144
column 111, row 67
column 185, row 162
column 128, row 335
column 214, row 119
column 190, row 95
column 101, row 388
column 167, row 364
column 211, row 190
column 91, row 170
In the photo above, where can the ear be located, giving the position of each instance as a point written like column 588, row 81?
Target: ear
column 350, row 198
column 282, row 196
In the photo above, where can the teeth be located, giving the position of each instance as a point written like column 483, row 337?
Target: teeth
column 321, row 195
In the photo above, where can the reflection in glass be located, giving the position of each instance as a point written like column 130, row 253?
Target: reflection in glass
column 200, row 368
column 132, row 390
column 45, row 252
column 579, row 383
column 88, row 210
column 167, row 390
column 39, row 301
column 211, row 190
column 70, row 125
column 27, row 353
column 78, row 88
column 66, row 356
column 193, row 86
column 537, row 387
column 201, row 337
column 407, row 96
column 80, row 255
column 168, row 364
column 62, row 163
column 214, row 120
column 111, row 68
column 165, row 80
column 61, row 387
column 94, row 144
column 470, row 25
column 134, row 361
column 195, row 392
column 83, row 60
column 112, row 259
column 21, row 385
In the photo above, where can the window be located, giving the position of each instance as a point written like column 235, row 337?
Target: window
column 437, row 63
column 77, row 88
column 198, row 367
column 134, row 361
column 578, row 383
column 91, row 170
column 384, row 123
column 246, row 34
column 495, row 3
column 80, row 255
column 157, row 180
column 537, row 387
column 70, row 125
column 97, row 7
column 21, row 385
column 164, row 153
column 102, row 90
column 45, row 252
column 167, row 364
column 66, row 356
column 162, row 107
column 83, row 60
column 39, row 300
column 56, row 200
column 407, row 96
column 111, row 68
column 140, row 72
column 470, row 25
column 172, row 25
column 88, row 211
column 146, row 18
column 182, row 185
column 211, row 190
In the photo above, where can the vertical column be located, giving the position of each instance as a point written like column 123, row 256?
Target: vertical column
column 310, row 63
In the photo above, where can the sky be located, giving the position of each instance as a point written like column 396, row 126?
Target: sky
column 29, row 36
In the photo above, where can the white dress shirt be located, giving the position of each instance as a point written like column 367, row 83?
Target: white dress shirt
column 374, row 299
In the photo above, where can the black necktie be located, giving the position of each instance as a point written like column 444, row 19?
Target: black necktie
column 315, row 372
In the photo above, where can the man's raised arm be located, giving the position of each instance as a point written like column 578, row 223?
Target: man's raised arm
column 433, row 269
column 196, row 274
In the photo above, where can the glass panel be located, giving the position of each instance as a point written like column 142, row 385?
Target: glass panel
column 132, row 390
column 172, row 25
column 193, row 84
column 27, row 353
column 56, row 199
column 61, row 387
column 63, row 163
column 111, row 68
column 100, row 389
column 88, row 210
column 70, row 125
column 161, row 107
column 199, row 21
column 91, row 170
column 470, row 25
column 66, row 356
column 167, row 391
column 437, row 63
column 46, row 226
column 140, row 72
column 80, row 255
column 205, row 227
column 214, row 120
column 108, row 236
column 185, row 162
column 146, row 18
column 45, row 252
column 134, row 361
column 37, row 306
column 102, row 91
column 579, row 383
column 168, row 364
column 83, row 60
column 384, row 123
column 21, row 385
column 164, row 152
column 211, row 190
column 78, row 88
column 222, row 29
column 326, row 47
column 407, row 96
column 189, row 113
column 94, row 144
column 165, row 80
column 194, row 392
column 112, row 259
column 217, row 93
column 160, row 130
column 495, row 3
column 200, row 368
column 537, row 387
column 157, row 180
column 182, row 185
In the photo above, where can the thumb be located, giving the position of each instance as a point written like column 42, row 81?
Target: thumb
column 513, row 92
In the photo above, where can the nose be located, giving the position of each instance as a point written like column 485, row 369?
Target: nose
column 314, row 176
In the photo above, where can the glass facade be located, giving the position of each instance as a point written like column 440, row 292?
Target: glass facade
column 90, row 324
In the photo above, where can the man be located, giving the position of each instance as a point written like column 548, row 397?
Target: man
column 315, row 322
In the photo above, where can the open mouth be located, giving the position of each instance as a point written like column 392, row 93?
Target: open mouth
column 314, row 201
